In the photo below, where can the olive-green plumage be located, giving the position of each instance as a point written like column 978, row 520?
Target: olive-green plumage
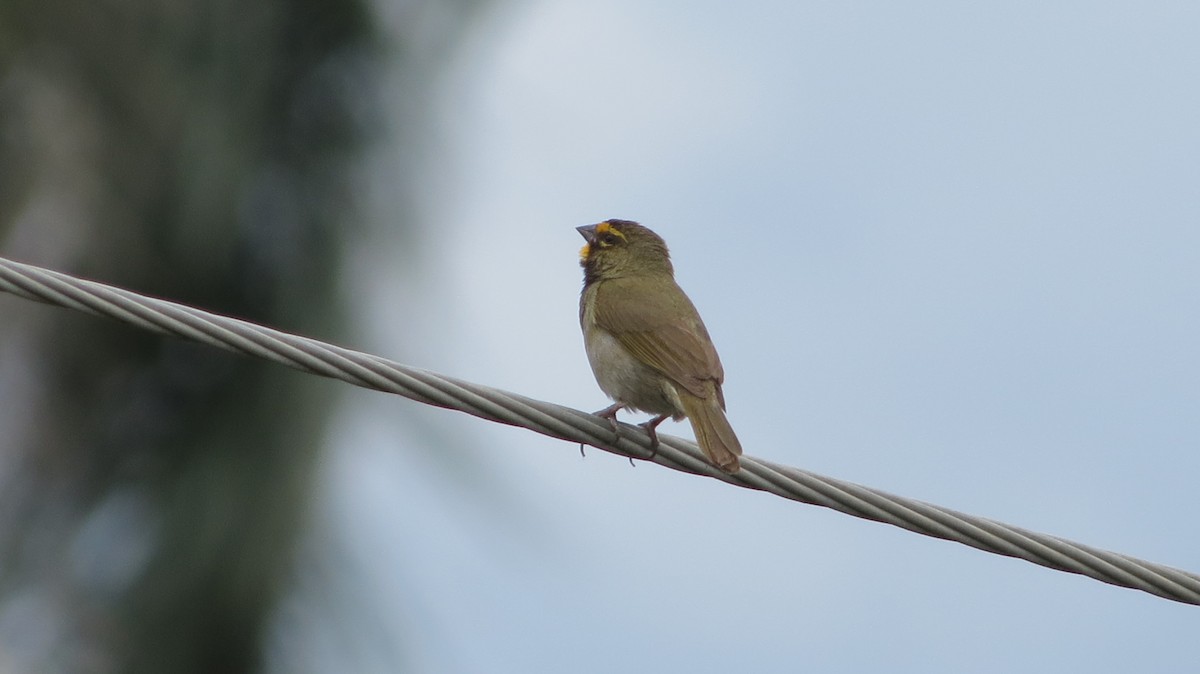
column 645, row 341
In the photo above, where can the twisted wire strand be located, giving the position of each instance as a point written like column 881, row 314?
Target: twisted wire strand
column 557, row 421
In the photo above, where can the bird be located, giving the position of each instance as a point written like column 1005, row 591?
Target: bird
column 645, row 341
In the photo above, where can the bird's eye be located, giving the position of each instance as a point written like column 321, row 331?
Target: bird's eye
column 607, row 239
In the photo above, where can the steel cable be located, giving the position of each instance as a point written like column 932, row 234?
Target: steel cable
column 557, row 421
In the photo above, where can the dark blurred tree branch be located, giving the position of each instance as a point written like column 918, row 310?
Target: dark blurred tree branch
column 152, row 493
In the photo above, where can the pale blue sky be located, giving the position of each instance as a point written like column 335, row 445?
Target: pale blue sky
column 945, row 249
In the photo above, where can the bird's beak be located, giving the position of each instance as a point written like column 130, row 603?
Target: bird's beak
column 588, row 232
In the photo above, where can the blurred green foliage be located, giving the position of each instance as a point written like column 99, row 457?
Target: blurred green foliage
column 153, row 493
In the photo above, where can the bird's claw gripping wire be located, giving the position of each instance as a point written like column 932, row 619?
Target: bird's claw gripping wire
column 650, row 427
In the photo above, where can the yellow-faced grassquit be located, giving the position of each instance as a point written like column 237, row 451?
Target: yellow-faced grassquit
column 647, row 345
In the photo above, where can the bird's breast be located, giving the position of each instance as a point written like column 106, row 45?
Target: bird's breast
column 628, row 380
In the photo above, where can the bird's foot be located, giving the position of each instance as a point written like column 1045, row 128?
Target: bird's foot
column 650, row 428
column 610, row 413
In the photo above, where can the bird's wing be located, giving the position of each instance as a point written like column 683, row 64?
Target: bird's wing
column 658, row 324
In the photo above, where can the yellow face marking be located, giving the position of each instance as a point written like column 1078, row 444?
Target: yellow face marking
column 607, row 228
column 605, row 233
column 585, row 251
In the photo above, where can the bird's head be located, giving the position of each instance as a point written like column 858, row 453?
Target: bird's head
column 618, row 248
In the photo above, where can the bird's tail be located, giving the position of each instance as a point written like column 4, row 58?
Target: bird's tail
column 713, row 432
